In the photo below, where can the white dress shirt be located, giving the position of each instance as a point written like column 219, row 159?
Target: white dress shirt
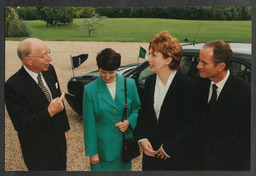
column 112, row 89
column 219, row 85
column 35, row 75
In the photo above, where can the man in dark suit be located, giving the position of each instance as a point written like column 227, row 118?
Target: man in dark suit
column 226, row 109
column 34, row 103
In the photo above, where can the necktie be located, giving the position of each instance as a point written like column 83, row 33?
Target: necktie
column 44, row 89
column 214, row 97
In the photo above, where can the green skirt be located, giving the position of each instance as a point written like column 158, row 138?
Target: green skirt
column 116, row 165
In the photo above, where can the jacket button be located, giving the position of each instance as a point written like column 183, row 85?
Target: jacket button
column 115, row 117
column 115, row 110
column 115, row 132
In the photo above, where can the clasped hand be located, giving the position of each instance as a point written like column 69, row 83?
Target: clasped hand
column 148, row 150
column 56, row 105
column 123, row 125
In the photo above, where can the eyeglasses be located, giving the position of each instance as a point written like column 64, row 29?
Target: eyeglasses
column 204, row 63
column 44, row 56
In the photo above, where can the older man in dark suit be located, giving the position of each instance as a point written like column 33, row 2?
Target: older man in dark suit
column 34, row 103
column 226, row 110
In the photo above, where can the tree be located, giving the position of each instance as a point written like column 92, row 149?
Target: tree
column 56, row 15
column 13, row 25
column 246, row 13
column 205, row 13
column 218, row 13
column 93, row 23
column 85, row 12
column 28, row 13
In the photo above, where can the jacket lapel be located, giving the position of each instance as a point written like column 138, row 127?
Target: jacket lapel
column 33, row 89
column 226, row 89
column 150, row 99
column 120, row 94
column 171, row 95
column 225, row 94
column 223, row 97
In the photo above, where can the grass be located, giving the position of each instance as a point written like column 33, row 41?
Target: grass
column 142, row 29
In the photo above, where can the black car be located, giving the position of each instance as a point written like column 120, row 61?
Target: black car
column 241, row 67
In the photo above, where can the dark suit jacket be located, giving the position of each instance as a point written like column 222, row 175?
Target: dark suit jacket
column 176, row 127
column 226, row 132
column 41, row 137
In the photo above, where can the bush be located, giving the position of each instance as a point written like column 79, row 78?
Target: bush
column 187, row 13
column 13, row 25
column 114, row 12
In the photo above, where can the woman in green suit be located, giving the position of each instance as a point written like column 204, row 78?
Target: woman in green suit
column 103, row 105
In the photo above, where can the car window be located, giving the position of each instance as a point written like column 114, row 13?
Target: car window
column 241, row 70
column 143, row 75
column 185, row 64
column 188, row 67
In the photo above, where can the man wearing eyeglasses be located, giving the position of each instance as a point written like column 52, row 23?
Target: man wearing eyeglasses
column 34, row 104
column 226, row 110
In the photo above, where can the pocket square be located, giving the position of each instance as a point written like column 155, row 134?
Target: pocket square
column 56, row 85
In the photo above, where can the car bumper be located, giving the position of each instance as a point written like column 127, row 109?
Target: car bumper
column 74, row 102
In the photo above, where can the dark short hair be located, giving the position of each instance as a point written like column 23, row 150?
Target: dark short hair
column 108, row 59
column 221, row 52
column 169, row 46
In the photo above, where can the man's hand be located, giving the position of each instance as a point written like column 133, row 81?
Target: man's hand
column 160, row 154
column 56, row 105
column 147, row 148
column 94, row 159
column 123, row 125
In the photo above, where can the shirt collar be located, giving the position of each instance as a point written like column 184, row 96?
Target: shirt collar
column 221, row 84
column 32, row 74
column 159, row 82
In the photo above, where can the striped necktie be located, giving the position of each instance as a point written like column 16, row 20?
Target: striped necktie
column 42, row 86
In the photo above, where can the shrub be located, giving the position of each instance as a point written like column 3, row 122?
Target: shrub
column 13, row 25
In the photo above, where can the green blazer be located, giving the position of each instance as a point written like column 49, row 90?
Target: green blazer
column 101, row 113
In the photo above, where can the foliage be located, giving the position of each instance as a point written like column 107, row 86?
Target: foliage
column 28, row 13
column 57, row 15
column 114, row 12
column 36, row 13
column 93, row 23
column 188, row 13
column 85, row 12
column 13, row 25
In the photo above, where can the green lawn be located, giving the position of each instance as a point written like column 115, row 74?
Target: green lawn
column 142, row 29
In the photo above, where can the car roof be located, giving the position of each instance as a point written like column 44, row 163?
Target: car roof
column 244, row 48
